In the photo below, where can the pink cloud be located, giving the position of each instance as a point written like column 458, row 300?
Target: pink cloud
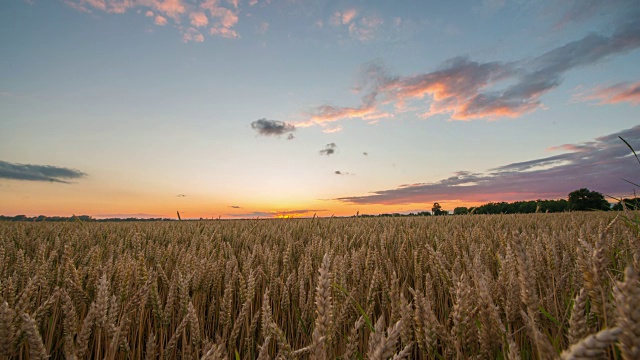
column 348, row 16
column 225, row 19
column 364, row 29
column 172, row 8
column 192, row 34
column 253, row 2
column 199, row 19
column 614, row 94
column 223, row 32
column 220, row 19
column 160, row 20
column 467, row 90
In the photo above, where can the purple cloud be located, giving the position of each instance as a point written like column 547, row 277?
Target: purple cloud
column 598, row 165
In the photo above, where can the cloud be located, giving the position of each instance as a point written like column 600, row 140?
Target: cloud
column 332, row 130
column 222, row 17
column 598, row 165
column 160, row 20
column 325, row 114
column 199, row 19
column 192, row 34
column 262, row 28
column 30, row 172
column 226, row 19
column 125, row 216
column 361, row 28
column 181, row 195
column 364, row 29
column 365, row 153
column 621, row 92
column 464, row 89
column 273, row 127
column 277, row 214
column 329, row 149
column 348, row 15
column 235, row 206
column 338, row 172
column 290, row 137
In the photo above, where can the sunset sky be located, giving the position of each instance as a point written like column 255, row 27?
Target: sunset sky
column 258, row 108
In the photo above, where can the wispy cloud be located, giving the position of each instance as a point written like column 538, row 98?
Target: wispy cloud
column 464, row 89
column 235, row 207
column 181, row 195
column 30, row 172
column 192, row 34
column 125, row 216
column 329, row 149
column 331, row 130
column 361, row 27
column 278, row 214
column 598, row 165
column 273, row 127
column 221, row 20
column 621, row 92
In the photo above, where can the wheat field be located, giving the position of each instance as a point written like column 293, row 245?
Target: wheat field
column 536, row 286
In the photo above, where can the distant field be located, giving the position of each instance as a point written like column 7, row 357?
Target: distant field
column 481, row 286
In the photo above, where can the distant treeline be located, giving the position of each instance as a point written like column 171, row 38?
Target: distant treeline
column 533, row 206
column 579, row 200
column 79, row 218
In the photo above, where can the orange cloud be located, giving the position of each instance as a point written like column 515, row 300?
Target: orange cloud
column 199, row 19
column 614, row 94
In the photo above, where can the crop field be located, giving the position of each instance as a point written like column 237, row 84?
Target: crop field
column 451, row 287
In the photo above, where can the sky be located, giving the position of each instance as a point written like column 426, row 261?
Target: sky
column 290, row 108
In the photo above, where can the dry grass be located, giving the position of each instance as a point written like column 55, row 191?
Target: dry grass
column 485, row 287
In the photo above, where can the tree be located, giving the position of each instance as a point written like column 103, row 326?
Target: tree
column 583, row 199
column 631, row 204
column 460, row 210
column 437, row 210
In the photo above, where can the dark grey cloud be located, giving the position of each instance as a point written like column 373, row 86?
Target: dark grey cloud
column 338, row 172
column 598, row 165
column 329, row 149
column 365, row 153
column 273, row 128
column 38, row 172
column 466, row 89
column 235, row 206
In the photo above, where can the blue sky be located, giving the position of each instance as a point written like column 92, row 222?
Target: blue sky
column 116, row 107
